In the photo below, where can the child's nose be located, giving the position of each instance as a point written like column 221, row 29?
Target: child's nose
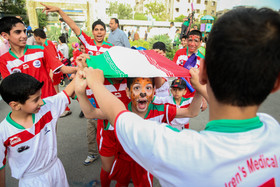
column 41, row 103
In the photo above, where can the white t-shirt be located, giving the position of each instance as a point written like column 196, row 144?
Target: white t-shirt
column 64, row 49
column 227, row 153
column 31, row 150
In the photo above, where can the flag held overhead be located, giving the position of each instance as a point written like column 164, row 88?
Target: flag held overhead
column 125, row 62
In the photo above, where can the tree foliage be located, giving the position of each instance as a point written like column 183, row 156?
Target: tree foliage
column 13, row 7
column 140, row 16
column 42, row 18
column 170, row 50
column 179, row 18
column 124, row 11
column 157, row 10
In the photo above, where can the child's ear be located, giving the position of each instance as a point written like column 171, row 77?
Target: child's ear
column 185, row 91
column 15, row 105
column 276, row 84
column 5, row 35
column 127, row 93
column 203, row 78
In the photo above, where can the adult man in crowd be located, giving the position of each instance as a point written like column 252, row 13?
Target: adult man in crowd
column 117, row 36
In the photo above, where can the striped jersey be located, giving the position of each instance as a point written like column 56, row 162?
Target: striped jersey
column 91, row 47
column 178, row 123
column 30, row 150
column 162, row 113
column 181, row 57
column 34, row 62
column 227, row 153
column 49, row 46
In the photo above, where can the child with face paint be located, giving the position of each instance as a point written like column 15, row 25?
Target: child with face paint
column 141, row 93
column 191, row 57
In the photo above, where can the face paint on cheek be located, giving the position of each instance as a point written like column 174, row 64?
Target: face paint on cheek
column 134, row 99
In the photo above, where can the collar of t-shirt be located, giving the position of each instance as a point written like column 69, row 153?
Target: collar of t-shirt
column 234, row 126
column 14, row 55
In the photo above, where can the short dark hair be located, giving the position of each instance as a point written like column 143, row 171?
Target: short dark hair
column 195, row 32
column 40, row 32
column 160, row 46
column 172, row 23
column 116, row 20
column 62, row 39
column 98, row 22
column 184, row 36
column 131, row 79
column 18, row 87
column 7, row 23
column 243, row 66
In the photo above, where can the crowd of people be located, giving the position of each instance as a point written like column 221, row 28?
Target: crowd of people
column 141, row 130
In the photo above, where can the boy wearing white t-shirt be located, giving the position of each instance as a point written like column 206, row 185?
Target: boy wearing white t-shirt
column 239, row 147
column 28, row 133
column 178, row 89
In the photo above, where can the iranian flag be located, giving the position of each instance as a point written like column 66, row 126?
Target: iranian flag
column 125, row 62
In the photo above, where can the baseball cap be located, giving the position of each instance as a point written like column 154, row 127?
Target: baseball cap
column 178, row 83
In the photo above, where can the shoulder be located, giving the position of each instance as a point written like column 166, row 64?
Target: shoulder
column 108, row 44
column 35, row 47
column 200, row 54
column 181, row 51
column 269, row 120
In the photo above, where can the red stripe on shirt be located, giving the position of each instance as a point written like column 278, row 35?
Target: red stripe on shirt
column 25, row 135
column 115, row 123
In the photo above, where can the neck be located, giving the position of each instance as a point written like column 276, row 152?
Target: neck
column 24, row 119
column 190, row 53
column 18, row 51
column 99, row 43
column 219, row 110
column 178, row 101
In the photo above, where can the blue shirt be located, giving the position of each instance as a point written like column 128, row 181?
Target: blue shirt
column 118, row 38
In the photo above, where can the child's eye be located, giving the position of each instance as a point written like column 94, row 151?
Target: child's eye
column 149, row 88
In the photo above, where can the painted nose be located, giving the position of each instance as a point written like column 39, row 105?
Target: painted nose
column 143, row 94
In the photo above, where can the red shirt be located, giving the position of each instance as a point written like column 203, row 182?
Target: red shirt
column 34, row 62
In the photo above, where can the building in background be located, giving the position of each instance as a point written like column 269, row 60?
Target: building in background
column 201, row 7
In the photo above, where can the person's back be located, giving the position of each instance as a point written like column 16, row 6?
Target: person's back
column 238, row 146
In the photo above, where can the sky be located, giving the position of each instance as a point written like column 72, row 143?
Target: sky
column 229, row 4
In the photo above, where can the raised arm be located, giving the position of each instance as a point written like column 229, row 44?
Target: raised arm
column 192, row 110
column 196, row 84
column 109, row 104
column 80, row 90
column 64, row 16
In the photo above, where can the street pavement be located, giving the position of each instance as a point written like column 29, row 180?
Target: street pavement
column 72, row 143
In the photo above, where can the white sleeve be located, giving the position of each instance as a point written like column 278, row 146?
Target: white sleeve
column 161, row 100
column 152, row 145
column 3, row 152
column 58, row 103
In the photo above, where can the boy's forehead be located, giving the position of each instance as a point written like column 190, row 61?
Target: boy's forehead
column 142, row 80
column 194, row 36
column 18, row 26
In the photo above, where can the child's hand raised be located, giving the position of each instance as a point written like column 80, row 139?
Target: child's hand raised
column 81, row 61
column 195, row 78
column 80, row 82
column 49, row 8
column 94, row 76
